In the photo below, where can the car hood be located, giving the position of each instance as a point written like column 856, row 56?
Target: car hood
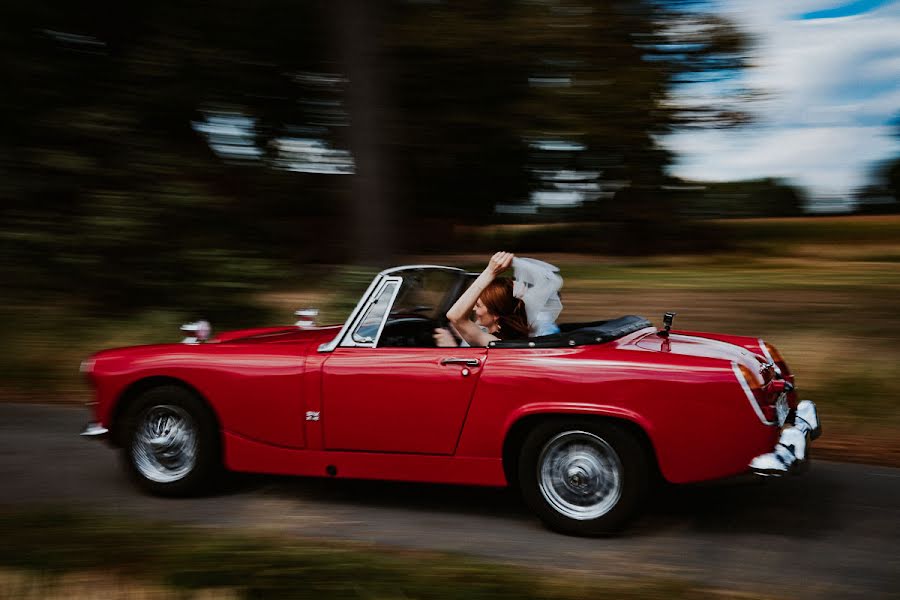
column 278, row 335
column 257, row 336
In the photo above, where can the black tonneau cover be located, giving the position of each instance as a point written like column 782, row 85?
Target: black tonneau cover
column 579, row 334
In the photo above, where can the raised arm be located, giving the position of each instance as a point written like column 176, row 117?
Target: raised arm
column 458, row 315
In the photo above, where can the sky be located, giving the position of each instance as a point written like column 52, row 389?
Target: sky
column 829, row 71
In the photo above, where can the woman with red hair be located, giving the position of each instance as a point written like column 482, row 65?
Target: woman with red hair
column 498, row 314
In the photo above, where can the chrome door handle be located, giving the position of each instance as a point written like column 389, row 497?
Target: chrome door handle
column 469, row 362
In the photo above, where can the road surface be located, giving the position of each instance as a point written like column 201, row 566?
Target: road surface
column 833, row 532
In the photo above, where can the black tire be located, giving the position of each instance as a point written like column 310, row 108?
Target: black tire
column 583, row 477
column 184, row 457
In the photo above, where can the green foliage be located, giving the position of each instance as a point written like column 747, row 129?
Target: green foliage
column 752, row 198
column 783, row 234
column 602, row 238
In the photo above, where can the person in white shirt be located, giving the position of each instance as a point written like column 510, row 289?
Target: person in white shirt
column 504, row 309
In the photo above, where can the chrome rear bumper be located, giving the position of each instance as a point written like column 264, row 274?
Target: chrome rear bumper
column 94, row 431
column 792, row 450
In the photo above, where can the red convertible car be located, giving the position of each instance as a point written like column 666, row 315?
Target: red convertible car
column 582, row 421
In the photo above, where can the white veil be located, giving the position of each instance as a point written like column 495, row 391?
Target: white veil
column 537, row 284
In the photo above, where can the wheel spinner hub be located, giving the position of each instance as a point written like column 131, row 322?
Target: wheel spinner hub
column 165, row 444
column 580, row 475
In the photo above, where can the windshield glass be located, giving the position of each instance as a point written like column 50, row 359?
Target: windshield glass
column 425, row 293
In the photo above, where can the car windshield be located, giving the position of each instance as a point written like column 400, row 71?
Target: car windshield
column 406, row 309
column 425, row 293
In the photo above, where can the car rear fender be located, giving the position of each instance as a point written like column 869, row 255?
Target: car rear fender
column 527, row 417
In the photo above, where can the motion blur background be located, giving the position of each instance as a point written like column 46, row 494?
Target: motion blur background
column 737, row 162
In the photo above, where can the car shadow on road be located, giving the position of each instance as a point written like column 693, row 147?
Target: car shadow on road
column 804, row 506
column 501, row 502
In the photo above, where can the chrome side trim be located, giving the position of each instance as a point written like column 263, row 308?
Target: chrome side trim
column 749, row 393
column 94, row 431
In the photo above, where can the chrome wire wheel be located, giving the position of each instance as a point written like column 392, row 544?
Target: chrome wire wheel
column 579, row 475
column 164, row 446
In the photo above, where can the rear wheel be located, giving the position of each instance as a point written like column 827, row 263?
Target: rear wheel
column 171, row 442
column 583, row 477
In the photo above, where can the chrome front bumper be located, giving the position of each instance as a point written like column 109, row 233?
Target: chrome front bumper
column 94, row 431
column 792, row 450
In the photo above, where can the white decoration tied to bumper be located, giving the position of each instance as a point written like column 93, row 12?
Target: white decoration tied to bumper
column 537, row 284
column 791, row 449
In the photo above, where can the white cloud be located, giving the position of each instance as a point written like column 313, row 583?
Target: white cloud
column 833, row 86
column 826, row 159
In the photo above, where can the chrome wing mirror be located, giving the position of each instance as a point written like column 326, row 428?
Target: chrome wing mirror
column 198, row 332
column 306, row 317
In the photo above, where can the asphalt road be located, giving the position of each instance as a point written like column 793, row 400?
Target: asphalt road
column 833, row 532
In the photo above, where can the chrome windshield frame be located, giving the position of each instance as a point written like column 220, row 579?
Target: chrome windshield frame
column 349, row 341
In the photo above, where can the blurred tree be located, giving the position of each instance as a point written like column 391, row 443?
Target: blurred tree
column 750, row 198
column 360, row 57
column 567, row 100
column 893, row 178
column 882, row 196
column 183, row 155
column 137, row 169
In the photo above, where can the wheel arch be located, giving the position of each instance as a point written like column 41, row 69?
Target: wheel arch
column 516, row 433
column 134, row 391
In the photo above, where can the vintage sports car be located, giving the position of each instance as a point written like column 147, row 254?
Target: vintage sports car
column 582, row 422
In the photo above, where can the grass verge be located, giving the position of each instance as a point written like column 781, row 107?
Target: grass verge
column 52, row 545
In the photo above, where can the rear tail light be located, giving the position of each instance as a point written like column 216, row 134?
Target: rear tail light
column 754, row 379
column 774, row 356
column 754, row 387
column 784, row 372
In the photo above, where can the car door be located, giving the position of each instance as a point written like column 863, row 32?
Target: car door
column 411, row 400
column 395, row 399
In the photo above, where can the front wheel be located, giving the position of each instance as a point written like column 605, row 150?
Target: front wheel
column 171, row 442
column 583, row 477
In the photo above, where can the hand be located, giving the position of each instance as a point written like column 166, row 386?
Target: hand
column 500, row 262
column 443, row 338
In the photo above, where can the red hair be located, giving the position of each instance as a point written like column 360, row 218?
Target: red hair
column 498, row 299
